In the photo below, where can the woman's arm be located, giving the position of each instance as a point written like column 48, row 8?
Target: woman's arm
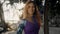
column 21, row 27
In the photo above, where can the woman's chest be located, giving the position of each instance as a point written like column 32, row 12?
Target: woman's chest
column 30, row 27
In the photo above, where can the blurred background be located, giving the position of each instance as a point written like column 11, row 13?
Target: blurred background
column 54, row 16
column 11, row 10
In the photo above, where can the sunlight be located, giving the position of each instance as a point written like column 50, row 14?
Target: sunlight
column 12, row 12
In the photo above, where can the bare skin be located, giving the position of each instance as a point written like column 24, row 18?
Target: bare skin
column 30, row 12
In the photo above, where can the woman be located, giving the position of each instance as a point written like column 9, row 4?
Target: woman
column 31, row 19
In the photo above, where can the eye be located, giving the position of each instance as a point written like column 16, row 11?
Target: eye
column 29, row 6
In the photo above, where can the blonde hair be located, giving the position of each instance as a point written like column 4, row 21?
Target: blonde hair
column 36, row 13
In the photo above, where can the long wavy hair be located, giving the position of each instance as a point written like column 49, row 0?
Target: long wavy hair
column 36, row 11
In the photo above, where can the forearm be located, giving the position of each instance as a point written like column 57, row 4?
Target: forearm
column 21, row 26
column 20, row 29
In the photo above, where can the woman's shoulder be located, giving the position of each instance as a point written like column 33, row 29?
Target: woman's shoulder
column 23, row 21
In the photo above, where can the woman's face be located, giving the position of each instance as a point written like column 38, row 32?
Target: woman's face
column 31, row 9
